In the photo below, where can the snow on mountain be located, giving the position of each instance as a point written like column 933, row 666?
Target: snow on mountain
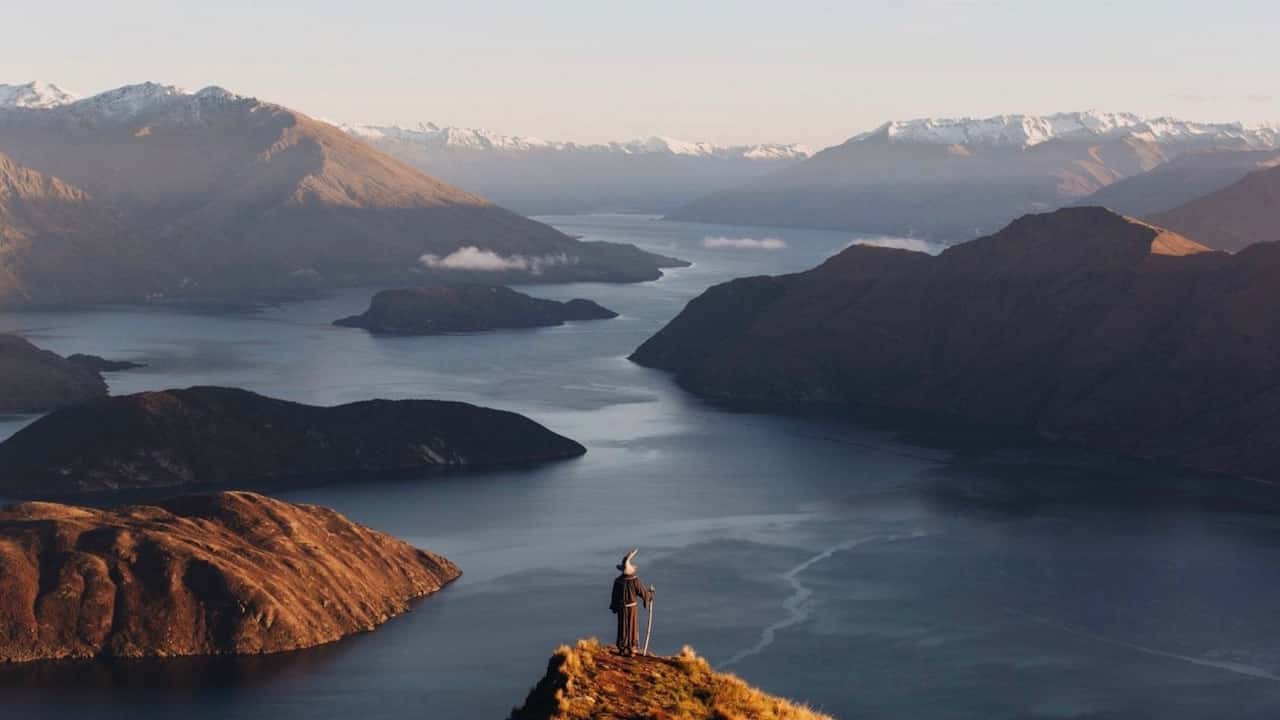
column 131, row 100
column 35, row 94
column 119, row 103
column 127, row 100
column 435, row 136
column 1030, row 130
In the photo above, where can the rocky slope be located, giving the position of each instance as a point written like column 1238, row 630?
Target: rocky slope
column 1082, row 325
column 1234, row 217
column 467, row 308
column 219, row 194
column 589, row 681
column 223, row 437
column 535, row 176
column 1181, row 180
column 950, row 180
column 35, row 380
column 228, row 573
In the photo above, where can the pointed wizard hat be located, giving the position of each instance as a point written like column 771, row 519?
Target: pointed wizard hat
column 626, row 566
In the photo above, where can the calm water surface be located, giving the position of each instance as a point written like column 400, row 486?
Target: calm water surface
column 869, row 568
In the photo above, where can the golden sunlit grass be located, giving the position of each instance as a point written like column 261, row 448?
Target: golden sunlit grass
column 589, row 681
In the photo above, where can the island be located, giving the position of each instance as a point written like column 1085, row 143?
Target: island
column 100, row 364
column 34, row 380
column 226, row 437
column 465, row 309
column 226, row 573
column 1084, row 326
column 589, row 681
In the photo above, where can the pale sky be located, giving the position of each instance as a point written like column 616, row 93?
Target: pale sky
column 725, row 71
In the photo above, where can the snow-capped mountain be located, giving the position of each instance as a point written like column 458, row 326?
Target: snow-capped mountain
column 222, row 195
column 131, row 101
column 527, row 174
column 35, row 94
column 1030, row 130
column 432, row 135
column 42, row 103
column 447, row 137
column 955, row 179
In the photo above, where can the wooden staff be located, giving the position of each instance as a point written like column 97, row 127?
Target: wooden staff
column 648, row 633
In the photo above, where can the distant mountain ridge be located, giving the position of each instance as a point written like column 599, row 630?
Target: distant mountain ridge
column 478, row 139
column 215, row 193
column 527, row 174
column 952, row 179
column 1030, row 130
column 535, row 176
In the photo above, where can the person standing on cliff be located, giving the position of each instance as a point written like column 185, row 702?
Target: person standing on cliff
column 628, row 591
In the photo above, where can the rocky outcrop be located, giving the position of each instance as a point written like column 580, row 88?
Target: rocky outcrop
column 35, row 380
column 588, row 681
column 228, row 573
column 1239, row 215
column 1082, row 325
column 467, row 308
column 223, row 437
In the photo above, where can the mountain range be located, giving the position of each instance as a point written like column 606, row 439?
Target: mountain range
column 148, row 190
column 536, row 176
column 950, row 180
column 1082, row 325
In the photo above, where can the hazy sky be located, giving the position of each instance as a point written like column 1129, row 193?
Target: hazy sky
column 727, row 71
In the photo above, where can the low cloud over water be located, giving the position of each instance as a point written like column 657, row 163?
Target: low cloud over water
column 745, row 243
column 475, row 259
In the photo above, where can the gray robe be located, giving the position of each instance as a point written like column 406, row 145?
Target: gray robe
column 628, row 592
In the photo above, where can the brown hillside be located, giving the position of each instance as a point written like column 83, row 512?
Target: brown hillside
column 58, row 244
column 231, row 573
column 1234, row 217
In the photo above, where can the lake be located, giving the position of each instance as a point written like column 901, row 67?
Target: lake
column 870, row 566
